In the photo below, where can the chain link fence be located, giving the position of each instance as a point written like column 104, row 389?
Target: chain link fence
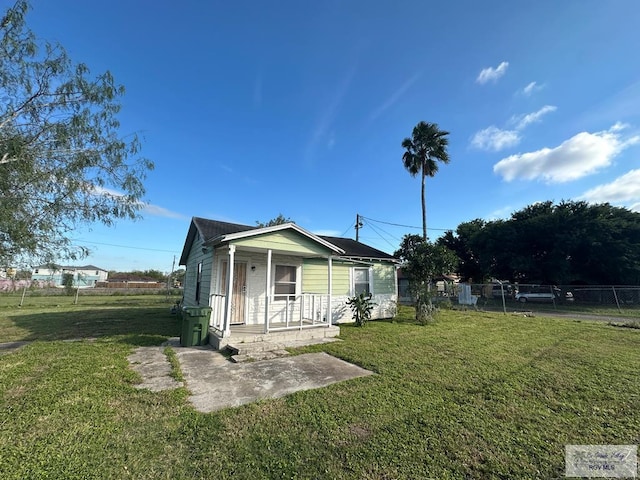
column 524, row 296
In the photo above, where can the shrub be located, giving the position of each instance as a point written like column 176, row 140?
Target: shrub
column 361, row 306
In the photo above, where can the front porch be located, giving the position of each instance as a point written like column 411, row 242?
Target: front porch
column 300, row 317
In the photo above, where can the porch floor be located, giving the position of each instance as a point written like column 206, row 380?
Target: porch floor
column 259, row 328
column 255, row 333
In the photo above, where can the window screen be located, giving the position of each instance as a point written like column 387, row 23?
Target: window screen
column 361, row 281
column 285, row 282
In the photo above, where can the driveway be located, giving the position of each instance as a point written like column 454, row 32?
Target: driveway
column 215, row 383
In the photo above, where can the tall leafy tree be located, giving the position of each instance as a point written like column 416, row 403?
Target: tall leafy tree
column 63, row 162
column 463, row 244
column 569, row 242
column 279, row 220
column 423, row 150
column 421, row 262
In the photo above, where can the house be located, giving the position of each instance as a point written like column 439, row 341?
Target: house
column 83, row 277
column 281, row 278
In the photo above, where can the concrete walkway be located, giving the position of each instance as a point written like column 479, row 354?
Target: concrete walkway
column 215, row 383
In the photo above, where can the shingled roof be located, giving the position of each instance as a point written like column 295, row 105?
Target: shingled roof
column 211, row 229
column 358, row 250
column 208, row 230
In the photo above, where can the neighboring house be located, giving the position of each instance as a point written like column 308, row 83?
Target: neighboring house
column 280, row 278
column 83, row 277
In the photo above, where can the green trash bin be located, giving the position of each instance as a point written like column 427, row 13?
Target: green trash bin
column 195, row 326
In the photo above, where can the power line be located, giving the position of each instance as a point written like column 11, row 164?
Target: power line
column 375, row 229
column 406, row 226
column 348, row 228
column 124, row 246
column 389, row 234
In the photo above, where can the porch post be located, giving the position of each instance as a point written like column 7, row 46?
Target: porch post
column 228, row 305
column 267, row 291
column 329, row 290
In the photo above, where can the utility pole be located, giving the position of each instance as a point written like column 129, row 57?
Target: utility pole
column 170, row 277
column 358, row 227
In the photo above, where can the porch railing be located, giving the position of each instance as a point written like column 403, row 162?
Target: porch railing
column 307, row 310
column 217, row 304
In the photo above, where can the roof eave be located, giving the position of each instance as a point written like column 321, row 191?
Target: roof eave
column 370, row 259
column 274, row 228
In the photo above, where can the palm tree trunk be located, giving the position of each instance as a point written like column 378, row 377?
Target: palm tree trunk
column 424, row 208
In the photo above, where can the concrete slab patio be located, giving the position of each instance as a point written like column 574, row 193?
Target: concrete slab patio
column 215, row 383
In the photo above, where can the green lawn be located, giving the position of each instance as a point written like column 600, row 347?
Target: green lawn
column 474, row 395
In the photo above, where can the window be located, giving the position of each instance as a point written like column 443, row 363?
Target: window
column 284, row 284
column 361, row 281
column 198, row 282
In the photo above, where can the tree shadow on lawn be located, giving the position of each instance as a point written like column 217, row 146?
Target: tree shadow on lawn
column 140, row 326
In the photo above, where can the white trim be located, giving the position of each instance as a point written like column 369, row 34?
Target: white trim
column 267, row 292
column 276, row 228
column 272, row 287
column 368, row 260
column 352, row 278
column 329, row 290
column 229, row 293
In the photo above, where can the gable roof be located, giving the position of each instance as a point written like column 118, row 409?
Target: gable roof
column 357, row 250
column 208, row 229
column 215, row 231
column 211, row 229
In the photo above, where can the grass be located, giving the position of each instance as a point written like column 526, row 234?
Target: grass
column 473, row 395
column 57, row 318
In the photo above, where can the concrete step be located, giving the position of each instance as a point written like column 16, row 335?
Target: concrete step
column 252, row 348
column 284, row 336
column 257, row 348
column 258, row 356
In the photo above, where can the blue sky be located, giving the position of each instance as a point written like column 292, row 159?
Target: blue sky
column 254, row 108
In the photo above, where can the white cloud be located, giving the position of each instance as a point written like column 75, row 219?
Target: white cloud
column 501, row 213
column 522, row 121
column 492, row 74
column 149, row 208
column 326, row 119
column 158, row 211
column 332, row 141
column 529, row 89
column 622, row 190
column 494, row 139
column 395, row 96
column 581, row 155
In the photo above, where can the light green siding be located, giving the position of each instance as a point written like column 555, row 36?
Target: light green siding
column 284, row 240
column 384, row 279
column 315, row 273
column 196, row 255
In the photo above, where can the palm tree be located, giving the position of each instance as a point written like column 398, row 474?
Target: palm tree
column 427, row 144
